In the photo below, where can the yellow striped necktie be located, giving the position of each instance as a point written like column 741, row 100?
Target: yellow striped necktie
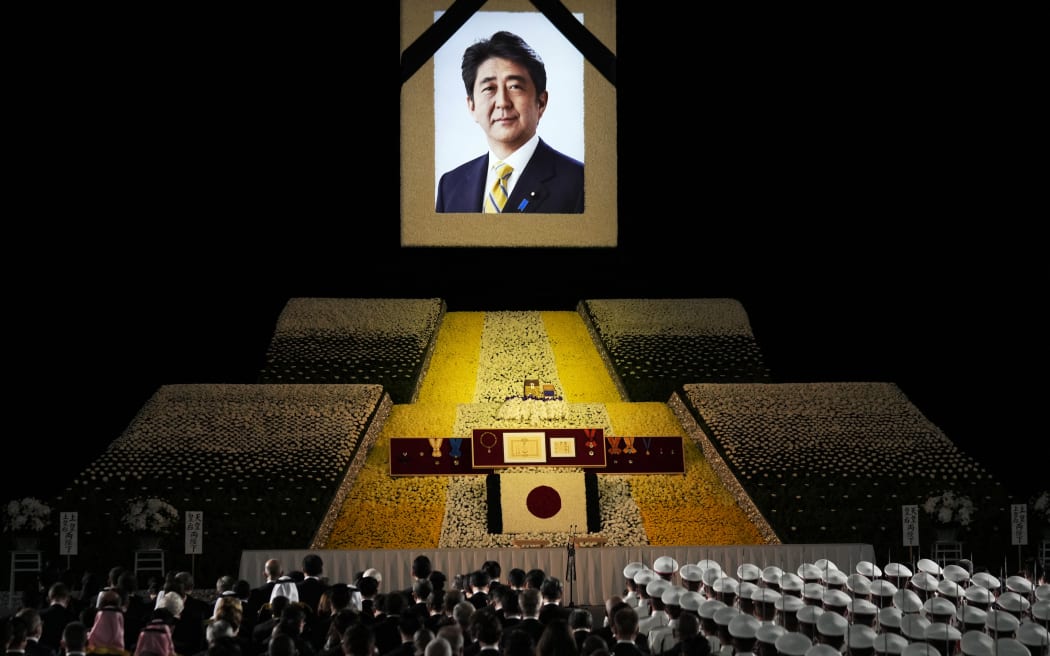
column 496, row 198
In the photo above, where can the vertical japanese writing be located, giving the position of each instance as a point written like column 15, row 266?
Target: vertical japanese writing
column 67, row 534
column 910, row 519
column 194, row 532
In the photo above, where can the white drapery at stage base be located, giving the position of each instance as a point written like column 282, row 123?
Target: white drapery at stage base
column 599, row 570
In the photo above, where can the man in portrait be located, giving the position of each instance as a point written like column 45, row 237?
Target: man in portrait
column 506, row 85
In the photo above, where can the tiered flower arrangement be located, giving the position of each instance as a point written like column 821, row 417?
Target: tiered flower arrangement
column 261, row 462
column 150, row 515
column 506, row 348
column 27, row 515
column 835, row 462
column 949, row 507
column 656, row 345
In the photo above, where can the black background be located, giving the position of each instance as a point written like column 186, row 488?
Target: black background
column 179, row 179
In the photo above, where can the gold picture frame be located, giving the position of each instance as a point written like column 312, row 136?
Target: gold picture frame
column 422, row 226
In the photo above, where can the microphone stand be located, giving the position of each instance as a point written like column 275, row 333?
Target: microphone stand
column 570, row 563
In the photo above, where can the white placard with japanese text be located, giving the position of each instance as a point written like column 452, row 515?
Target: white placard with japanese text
column 1019, row 524
column 194, row 531
column 67, row 534
column 910, row 517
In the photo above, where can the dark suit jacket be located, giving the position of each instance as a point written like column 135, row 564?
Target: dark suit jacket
column 310, row 592
column 552, row 183
column 551, row 611
column 626, row 649
column 55, row 618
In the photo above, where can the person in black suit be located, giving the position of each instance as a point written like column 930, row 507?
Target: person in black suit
column 33, row 645
column 506, row 85
column 580, row 623
column 312, row 586
column 551, row 608
column 407, row 625
column 189, row 633
column 486, row 633
column 625, row 630
column 57, row 615
column 529, row 601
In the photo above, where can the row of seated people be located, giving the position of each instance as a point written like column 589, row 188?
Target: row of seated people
column 762, row 605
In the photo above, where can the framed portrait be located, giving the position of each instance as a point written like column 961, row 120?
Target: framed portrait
column 440, row 133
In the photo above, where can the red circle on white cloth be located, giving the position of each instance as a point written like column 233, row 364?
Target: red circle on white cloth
column 543, row 501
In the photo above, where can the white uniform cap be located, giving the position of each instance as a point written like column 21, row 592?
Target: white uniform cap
column 711, row 574
column 956, row 574
column 746, row 588
column 831, row 624
column 726, row 584
column 920, row 649
column 813, row 591
column 890, row 616
column 769, row 633
column 691, row 573
column 821, row 649
column 1000, row 621
column 868, row 569
column 643, row 576
column 976, row 594
column 834, row 577
column 824, row 564
column 967, row 614
column 883, row 588
column 707, row 564
column 907, row 601
column 710, row 607
column 772, row 574
column 913, row 626
column 809, row 572
column 1041, row 610
column 793, row 643
column 890, row 643
column 939, row 606
column 1011, row 647
column 924, row 581
column 986, row 581
column 928, row 566
column 1013, row 602
column 374, row 573
column 977, row 643
column 748, row 572
column 788, row 603
column 835, row 599
column 672, row 595
column 859, row 636
column 862, row 607
column 1042, row 592
column 725, row 615
column 691, row 600
column 791, row 582
column 897, row 570
column 665, row 565
column 765, row 595
column 1033, row 635
column 942, row 632
column 809, row 614
column 858, row 584
column 630, row 569
column 744, row 626
column 657, row 587
column 950, row 589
